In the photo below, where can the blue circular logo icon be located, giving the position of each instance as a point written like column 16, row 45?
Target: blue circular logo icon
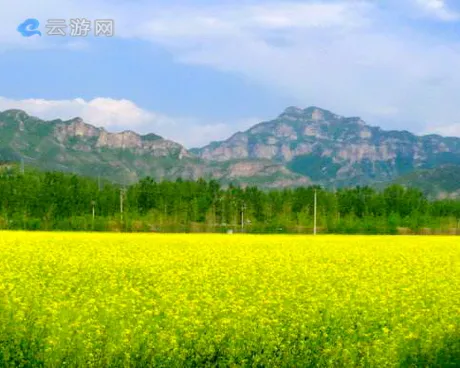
column 29, row 28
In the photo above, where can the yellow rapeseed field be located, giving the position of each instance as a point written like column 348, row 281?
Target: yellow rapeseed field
column 129, row 300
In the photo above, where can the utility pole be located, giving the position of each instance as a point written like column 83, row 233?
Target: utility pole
column 243, row 207
column 22, row 166
column 314, row 216
column 99, row 182
column 122, row 196
column 222, row 209
column 122, row 193
column 93, row 203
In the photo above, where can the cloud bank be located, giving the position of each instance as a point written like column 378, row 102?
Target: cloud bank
column 118, row 115
column 393, row 63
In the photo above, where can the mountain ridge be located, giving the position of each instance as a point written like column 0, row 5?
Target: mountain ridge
column 299, row 147
column 74, row 145
column 351, row 151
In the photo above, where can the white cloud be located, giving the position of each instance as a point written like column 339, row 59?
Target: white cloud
column 119, row 115
column 438, row 9
column 345, row 56
column 339, row 55
column 448, row 130
column 153, row 21
column 102, row 112
column 219, row 21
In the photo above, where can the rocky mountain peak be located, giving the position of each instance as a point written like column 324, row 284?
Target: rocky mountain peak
column 330, row 148
column 16, row 114
column 318, row 114
column 75, row 128
column 151, row 137
column 76, row 120
column 292, row 110
column 81, row 136
column 77, row 146
column 309, row 114
column 298, row 146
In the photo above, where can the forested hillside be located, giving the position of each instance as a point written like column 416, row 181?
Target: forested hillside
column 300, row 147
column 57, row 201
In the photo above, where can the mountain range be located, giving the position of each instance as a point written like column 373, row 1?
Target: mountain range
column 299, row 147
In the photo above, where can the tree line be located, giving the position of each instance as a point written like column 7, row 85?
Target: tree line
column 57, row 201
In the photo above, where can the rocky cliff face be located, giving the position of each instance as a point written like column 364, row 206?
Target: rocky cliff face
column 335, row 150
column 299, row 147
column 124, row 157
column 85, row 137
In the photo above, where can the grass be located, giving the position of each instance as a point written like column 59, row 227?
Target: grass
column 141, row 300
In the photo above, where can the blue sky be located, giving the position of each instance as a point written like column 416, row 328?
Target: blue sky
column 197, row 71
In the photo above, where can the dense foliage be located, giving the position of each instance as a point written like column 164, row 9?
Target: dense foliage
column 53, row 200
